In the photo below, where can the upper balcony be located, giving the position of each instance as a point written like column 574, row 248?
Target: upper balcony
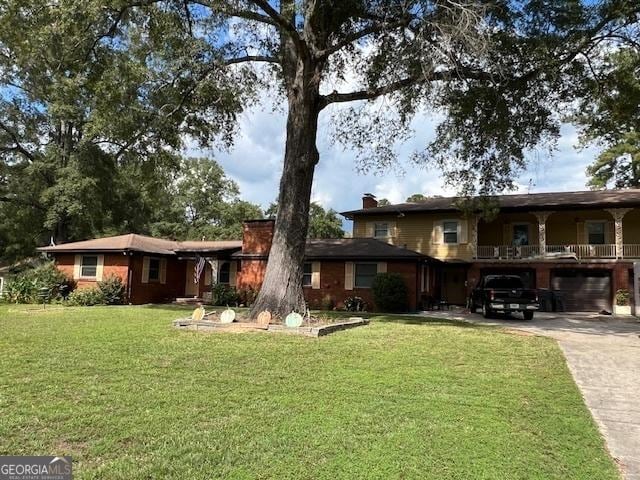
column 582, row 235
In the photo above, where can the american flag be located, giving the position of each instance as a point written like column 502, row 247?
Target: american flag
column 197, row 271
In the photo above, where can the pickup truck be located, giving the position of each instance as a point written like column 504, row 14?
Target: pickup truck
column 503, row 294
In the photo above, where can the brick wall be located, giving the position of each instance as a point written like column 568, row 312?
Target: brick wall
column 332, row 282
column 251, row 273
column 156, row 292
column 114, row 264
column 257, row 236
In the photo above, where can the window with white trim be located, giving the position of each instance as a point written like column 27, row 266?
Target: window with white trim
column 381, row 230
column 364, row 274
column 89, row 266
column 450, row 231
column 154, row 269
column 596, row 233
column 307, row 274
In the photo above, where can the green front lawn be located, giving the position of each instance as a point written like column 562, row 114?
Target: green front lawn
column 130, row 397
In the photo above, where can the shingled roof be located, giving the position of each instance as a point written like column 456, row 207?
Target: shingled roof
column 141, row 243
column 351, row 249
column 519, row 202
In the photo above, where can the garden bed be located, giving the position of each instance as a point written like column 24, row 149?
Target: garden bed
column 312, row 328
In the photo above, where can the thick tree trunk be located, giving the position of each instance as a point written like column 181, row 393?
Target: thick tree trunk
column 281, row 291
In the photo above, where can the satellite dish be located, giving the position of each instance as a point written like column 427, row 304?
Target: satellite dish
column 198, row 314
column 228, row 316
column 264, row 318
column 293, row 320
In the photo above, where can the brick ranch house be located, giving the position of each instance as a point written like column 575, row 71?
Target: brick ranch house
column 580, row 246
column 156, row 270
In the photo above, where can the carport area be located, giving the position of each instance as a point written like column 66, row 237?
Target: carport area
column 603, row 354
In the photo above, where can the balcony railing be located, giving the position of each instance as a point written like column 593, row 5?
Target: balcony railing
column 579, row 252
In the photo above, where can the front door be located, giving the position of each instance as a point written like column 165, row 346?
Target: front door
column 191, row 288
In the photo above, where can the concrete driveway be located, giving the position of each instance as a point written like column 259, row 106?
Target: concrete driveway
column 603, row 354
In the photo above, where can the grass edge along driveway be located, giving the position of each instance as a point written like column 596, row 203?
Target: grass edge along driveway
column 128, row 396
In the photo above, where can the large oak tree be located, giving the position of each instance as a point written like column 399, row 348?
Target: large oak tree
column 494, row 70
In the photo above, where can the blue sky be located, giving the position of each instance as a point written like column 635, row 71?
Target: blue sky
column 256, row 159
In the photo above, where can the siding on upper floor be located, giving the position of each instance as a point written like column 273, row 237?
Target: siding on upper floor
column 417, row 231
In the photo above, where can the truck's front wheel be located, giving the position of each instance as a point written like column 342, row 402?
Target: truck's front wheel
column 528, row 315
column 486, row 311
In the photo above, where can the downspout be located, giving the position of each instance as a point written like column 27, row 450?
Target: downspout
column 129, row 277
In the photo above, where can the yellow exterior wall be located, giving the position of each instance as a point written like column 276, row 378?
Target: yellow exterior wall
column 631, row 227
column 415, row 231
column 499, row 231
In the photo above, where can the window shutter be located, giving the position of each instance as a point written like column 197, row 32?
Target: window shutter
column 382, row 267
column 610, row 232
column 315, row 275
column 163, row 270
column 348, row 275
column 233, row 269
column 581, row 233
column 145, row 269
column 437, row 233
column 99, row 268
column 370, row 230
column 76, row 267
column 463, row 231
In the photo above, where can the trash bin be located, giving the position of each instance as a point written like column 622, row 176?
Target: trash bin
column 558, row 302
column 545, row 300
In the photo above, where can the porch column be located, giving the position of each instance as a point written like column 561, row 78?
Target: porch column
column 214, row 271
column 473, row 241
column 618, row 214
column 542, row 231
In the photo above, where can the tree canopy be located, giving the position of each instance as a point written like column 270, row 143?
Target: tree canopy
column 610, row 116
column 96, row 102
column 322, row 223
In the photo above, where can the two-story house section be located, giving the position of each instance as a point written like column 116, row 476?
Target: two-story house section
column 580, row 245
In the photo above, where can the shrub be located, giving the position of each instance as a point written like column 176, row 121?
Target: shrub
column 24, row 288
column 112, row 290
column 224, row 295
column 390, row 293
column 355, row 304
column 622, row 297
column 247, row 296
column 86, row 297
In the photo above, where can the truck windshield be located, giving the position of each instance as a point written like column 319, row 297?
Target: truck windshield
column 504, row 282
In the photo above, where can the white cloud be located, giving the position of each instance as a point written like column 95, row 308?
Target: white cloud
column 256, row 163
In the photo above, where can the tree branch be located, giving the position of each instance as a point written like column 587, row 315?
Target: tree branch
column 375, row 92
column 252, row 58
column 16, row 140
column 231, row 12
column 281, row 21
column 355, row 36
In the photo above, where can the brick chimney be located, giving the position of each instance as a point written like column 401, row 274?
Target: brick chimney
column 257, row 236
column 369, row 201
